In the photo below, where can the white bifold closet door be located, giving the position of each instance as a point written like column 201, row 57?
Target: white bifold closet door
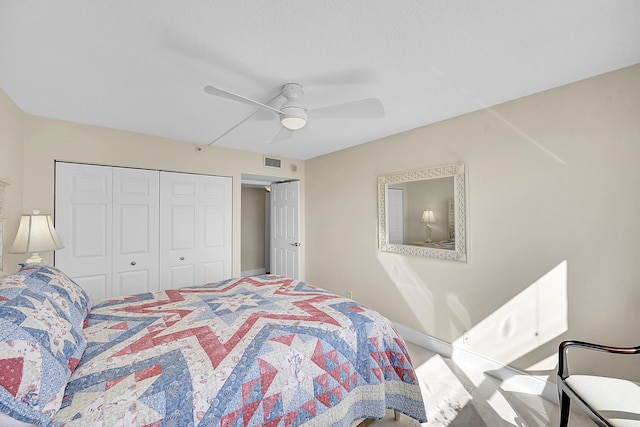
column 124, row 234
column 108, row 221
column 195, row 219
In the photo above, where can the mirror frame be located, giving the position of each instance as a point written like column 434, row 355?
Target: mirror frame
column 457, row 171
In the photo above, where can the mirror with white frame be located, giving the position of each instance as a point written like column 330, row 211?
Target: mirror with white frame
column 423, row 212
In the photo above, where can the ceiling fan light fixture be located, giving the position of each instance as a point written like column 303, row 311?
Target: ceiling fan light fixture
column 293, row 118
column 293, row 123
column 293, row 112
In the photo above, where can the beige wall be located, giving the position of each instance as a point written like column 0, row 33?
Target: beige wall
column 553, row 230
column 48, row 140
column 11, row 155
column 253, row 228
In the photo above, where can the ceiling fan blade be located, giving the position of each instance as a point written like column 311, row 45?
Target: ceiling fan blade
column 234, row 126
column 370, row 108
column 234, row 97
column 240, row 122
column 282, row 135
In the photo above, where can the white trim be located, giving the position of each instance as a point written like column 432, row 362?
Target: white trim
column 255, row 272
column 512, row 377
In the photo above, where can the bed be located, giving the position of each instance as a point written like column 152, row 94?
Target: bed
column 250, row 351
column 449, row 244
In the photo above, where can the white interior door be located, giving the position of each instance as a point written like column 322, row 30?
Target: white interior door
column 285, row 229
column 136, row 210
column 267, row 231
column 83, row 219
column 196, row 226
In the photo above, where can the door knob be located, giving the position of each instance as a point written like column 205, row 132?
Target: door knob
column 296, row 244
column 133, row 263
column 181, row 258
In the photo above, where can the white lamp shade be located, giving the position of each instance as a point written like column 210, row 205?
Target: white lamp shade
column 428, row 217
column 36, row 234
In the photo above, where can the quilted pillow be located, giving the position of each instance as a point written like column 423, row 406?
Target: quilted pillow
column 11, row 286
column 52, row 281
column 72, row 301
column 41, row 341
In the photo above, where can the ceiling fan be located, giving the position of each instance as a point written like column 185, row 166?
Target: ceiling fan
column 293, row 114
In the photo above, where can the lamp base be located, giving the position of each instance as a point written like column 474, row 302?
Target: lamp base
column 427, row 229
column 35, row 259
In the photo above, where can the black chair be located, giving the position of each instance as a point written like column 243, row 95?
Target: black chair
column 607, row 401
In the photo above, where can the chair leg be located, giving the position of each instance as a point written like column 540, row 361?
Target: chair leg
column 565, row 401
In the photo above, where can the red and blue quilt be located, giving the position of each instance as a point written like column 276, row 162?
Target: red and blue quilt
column 253, row 351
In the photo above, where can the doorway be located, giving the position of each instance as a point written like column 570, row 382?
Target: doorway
column 256, row 228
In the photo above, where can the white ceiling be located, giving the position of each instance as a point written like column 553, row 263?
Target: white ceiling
column 141, row 65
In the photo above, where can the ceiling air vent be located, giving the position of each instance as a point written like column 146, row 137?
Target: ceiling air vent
column 272, row 163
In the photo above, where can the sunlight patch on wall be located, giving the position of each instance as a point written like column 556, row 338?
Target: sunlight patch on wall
column 535, row 316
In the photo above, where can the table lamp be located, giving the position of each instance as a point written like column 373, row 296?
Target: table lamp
column 35, row 234
column 428, row 218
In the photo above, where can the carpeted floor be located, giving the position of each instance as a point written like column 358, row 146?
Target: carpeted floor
column 461, row 396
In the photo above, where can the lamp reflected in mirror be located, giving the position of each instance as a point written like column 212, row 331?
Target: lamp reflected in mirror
column 428, row 218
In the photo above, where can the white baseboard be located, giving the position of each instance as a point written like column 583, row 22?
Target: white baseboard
column 255, row 272
column 511, row 377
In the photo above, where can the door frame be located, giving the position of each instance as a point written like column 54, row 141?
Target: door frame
column 261, row 181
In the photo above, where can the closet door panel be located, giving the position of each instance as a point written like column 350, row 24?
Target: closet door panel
column 214, row 245
column 136, row 207
column 195, row 242
column 178, row 224
column 213, row 272
column 133, row 282
column 214, row 231
column 90, row 227
column 83, row 219
column 182, row 220
column 181, row 276
column 212, row 265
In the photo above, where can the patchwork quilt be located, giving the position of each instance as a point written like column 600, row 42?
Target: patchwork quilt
column 42, row 314
column 253, row 351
